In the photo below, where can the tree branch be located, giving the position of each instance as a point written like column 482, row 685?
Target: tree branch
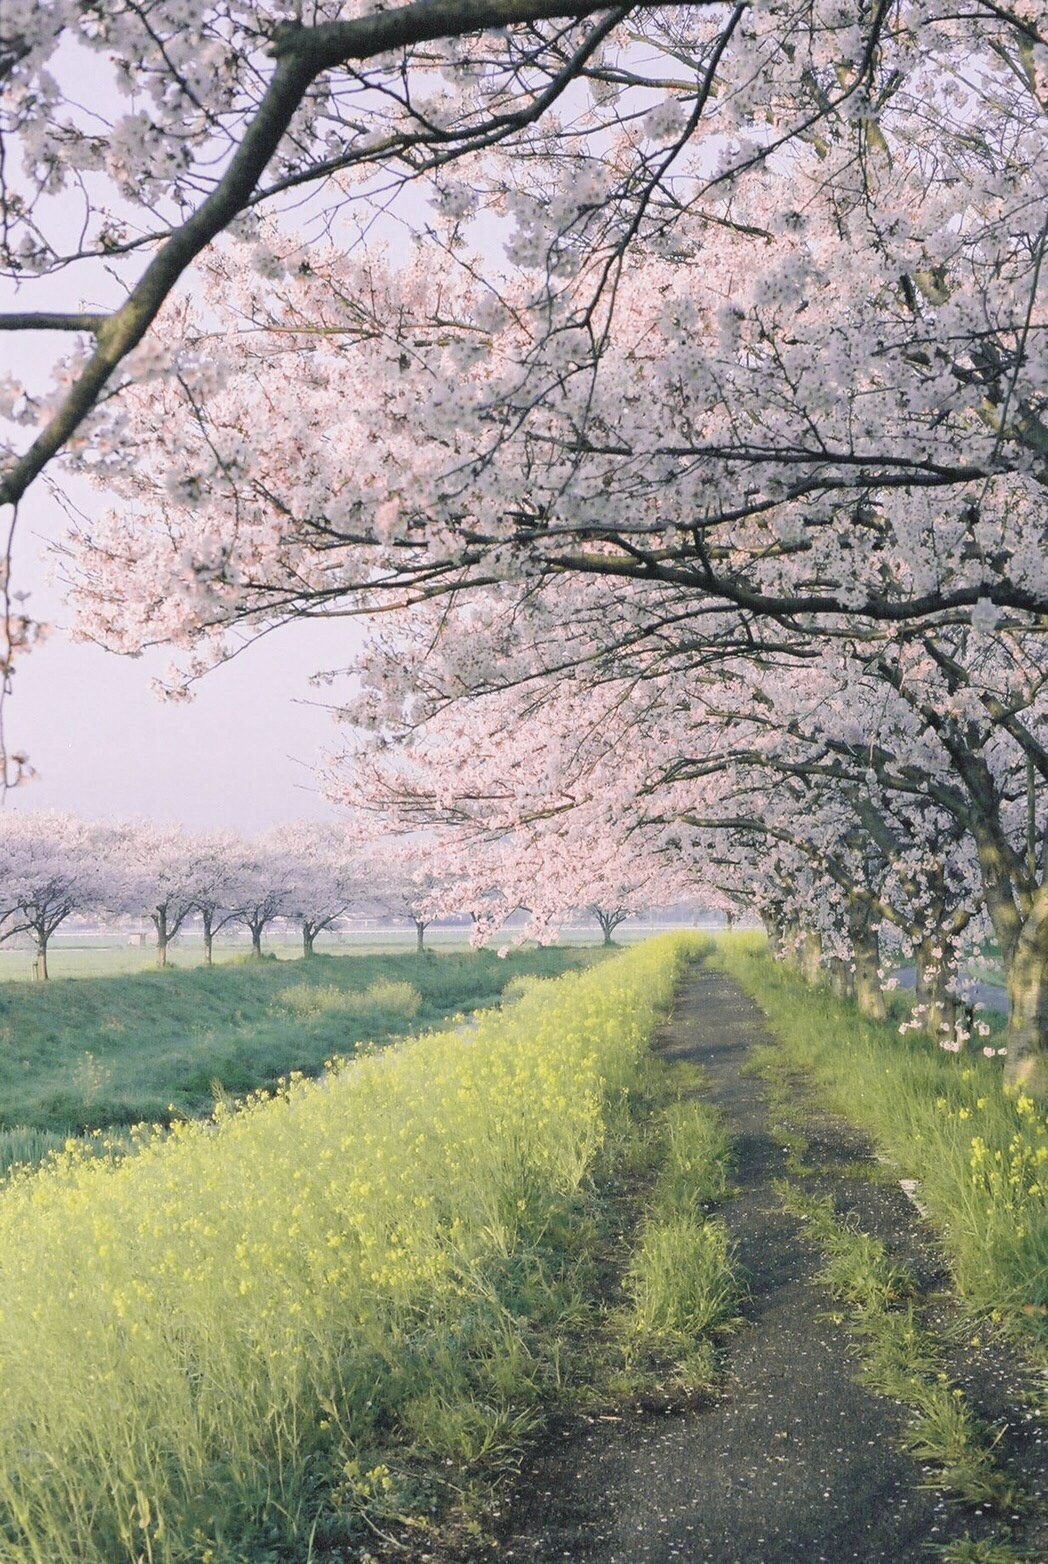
column 43, row 320
column 302, row 53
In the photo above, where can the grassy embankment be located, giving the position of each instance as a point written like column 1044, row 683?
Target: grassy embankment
column 86, row 1053
column 275, row 1334
column 979, row 1151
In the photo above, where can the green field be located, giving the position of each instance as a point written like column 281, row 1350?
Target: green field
column 81, row 1054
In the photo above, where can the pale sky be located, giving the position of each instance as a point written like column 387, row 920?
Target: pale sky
column 240, row 754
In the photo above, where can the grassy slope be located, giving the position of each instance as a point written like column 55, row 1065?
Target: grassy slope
column 91, row 1052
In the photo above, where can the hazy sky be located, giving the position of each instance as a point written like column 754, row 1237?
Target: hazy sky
column 240, row 754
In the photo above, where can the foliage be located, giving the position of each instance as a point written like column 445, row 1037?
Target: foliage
column 203, row 1340
column 679, row 1280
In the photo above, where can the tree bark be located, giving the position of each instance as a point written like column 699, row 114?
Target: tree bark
column 774, row 929
column 1022, row 934
column 256, row 939
column 791, row 943
column 810, row 956
column 940, row 1007
column 842, row 978
column 1027, row 1061
column 308, row 936
column 206, row 917
column 159, row 918
column 40, row 960
column 420, row 935
column 866, row 957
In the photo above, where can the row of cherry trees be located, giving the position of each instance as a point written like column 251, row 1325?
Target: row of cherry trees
column 703, row 431
column 54, row 866
column 888, row 787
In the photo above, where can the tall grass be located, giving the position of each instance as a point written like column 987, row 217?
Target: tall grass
column 680, row 1280
column 205, row 1343
column 979, row 1150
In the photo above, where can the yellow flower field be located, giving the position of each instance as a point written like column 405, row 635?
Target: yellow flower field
column 194, row 1337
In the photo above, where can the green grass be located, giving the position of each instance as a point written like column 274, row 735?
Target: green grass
column 84, row 1053
column 297, row 1327
column 902, row 1360
column 680, row 1281
column 978, row 1150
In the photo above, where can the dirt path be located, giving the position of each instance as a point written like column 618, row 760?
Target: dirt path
column 795, row 1463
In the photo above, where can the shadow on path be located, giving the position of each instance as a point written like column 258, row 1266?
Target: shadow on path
column 795, row 1463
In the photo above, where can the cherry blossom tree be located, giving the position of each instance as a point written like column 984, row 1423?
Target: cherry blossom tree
column 166, row 873
column 261, row 879
column 727, row 476
column 588, row 127
column 219, row 856
column 325, row 875
column 887, row 782
column 52, row 865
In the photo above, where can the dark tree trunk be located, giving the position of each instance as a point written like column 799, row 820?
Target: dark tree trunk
column 309, row 934
column 773, row 928
column 160, row 924
column 842, row 979
column 812, row 969
column 40, row 959
column 791, row 941
column 1027, row 1061
column 206, row 919
column 420, row 936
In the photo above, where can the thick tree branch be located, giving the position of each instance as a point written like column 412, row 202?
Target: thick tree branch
column 302, row 53
column 43, row 320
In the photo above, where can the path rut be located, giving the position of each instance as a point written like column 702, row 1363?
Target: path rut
column 794, row 1463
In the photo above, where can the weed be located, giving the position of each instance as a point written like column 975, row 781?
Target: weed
column 858, row 1271
column 971, row 1550
column 694, row 1171
column 680, row 1280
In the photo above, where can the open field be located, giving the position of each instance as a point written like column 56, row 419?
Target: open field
column 103, row 1051
column 111, row 955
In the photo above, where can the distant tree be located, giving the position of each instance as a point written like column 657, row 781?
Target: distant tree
column 325, row 875
column 217, row 855
column 262, row 880
column 164, row 876
column 51, row 866
column 402, row 883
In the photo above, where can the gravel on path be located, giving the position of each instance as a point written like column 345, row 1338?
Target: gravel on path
column 794, row 1463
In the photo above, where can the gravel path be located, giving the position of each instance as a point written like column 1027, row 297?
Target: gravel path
column 794, row 1463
